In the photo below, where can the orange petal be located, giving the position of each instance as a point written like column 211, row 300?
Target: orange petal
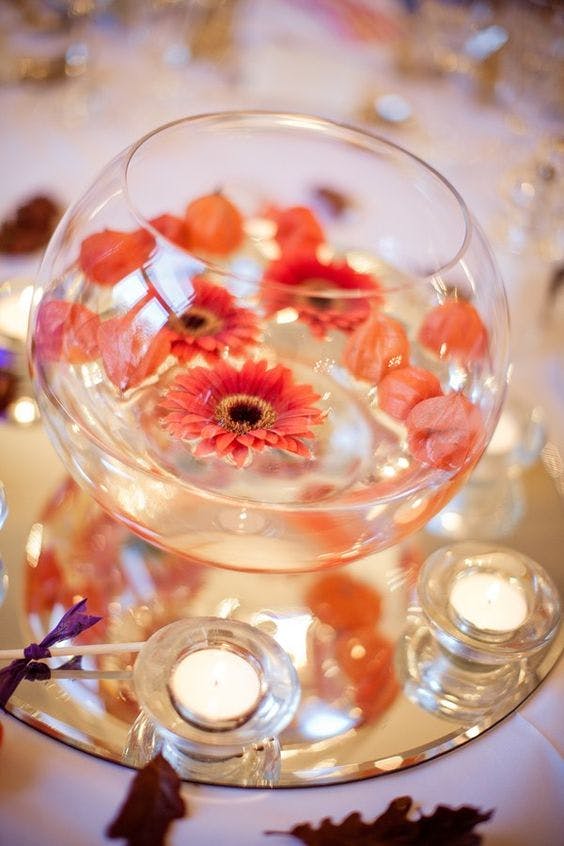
column 377, row 346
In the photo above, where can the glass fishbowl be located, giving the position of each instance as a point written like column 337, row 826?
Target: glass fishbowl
column 269, row 342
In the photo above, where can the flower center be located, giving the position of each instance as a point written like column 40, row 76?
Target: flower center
column 196, row 322
column 242, row 412
column 308, row 290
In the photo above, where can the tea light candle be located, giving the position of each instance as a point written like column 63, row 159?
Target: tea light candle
column 215, row 688
column 489, row 602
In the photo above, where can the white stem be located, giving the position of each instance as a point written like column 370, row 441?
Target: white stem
column 90, row 649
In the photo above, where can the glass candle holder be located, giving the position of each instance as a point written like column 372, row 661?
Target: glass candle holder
column 214, row 696
column 485, row 613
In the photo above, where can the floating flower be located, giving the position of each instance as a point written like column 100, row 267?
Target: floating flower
column 232, row 412
column 214, row 224
column 297, row 229
column 376, row 347
column 212, row 324
column 445, row 431
column 108, row 256
column 312, row 287
column 454, row 330
column 132, row 347
column 401, row 390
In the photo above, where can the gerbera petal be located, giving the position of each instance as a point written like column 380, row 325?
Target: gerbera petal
column 222, row 442
column 240, row 455
column 210, row 430
column 204, row 448
column 246, row 439
column 209, row 343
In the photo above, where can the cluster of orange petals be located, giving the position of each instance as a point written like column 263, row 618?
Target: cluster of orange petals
column 107, row 257
column 454, row 330
column 377, row 346
column 297, row 229
column 215, row 225
column 402, row 389
column 343, row 602
column 211, row 225
column 352, row 609
column 443, row 431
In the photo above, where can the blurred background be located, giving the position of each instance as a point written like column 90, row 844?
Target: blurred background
column 474, row 88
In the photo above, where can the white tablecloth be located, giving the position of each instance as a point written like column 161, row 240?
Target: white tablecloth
column 57, row 796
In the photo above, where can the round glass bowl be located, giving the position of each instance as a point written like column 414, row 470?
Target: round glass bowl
column 269, row 342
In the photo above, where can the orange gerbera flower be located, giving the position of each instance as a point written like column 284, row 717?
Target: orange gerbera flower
column 212, row 324
column 312, row 288
column 231, row 413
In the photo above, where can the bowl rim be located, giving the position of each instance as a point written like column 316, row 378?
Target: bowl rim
column 264, row 119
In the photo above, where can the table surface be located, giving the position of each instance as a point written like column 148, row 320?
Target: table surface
column 55, row 138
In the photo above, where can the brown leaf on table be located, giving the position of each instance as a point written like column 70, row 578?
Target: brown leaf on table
column 333, row 203
column 31, row 226
column 152, row 803
column 444, row 827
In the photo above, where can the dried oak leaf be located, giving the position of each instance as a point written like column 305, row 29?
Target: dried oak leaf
column 444, row 827
column 152, row 803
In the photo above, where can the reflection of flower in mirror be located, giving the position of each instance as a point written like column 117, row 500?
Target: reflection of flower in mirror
column 231, row 413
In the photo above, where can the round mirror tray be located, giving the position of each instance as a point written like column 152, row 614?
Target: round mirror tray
column 344, row 628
